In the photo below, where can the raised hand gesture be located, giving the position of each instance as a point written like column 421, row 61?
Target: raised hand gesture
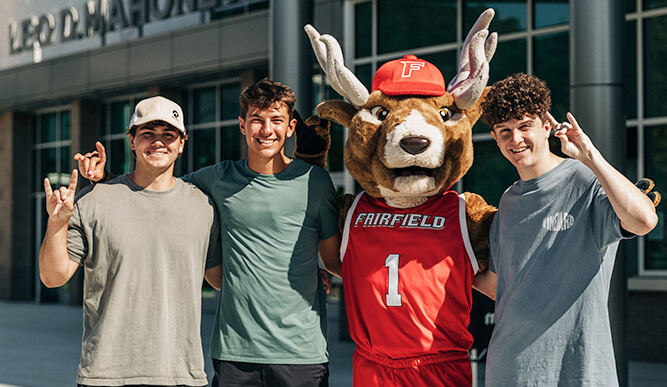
column 60, row 203
column 573, row 141
column 92, row 163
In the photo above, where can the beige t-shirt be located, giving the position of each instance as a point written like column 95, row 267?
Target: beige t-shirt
column 144, row 254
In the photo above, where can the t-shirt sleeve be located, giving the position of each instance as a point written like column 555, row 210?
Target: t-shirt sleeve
column 605, row 223
column 328, row 211
column 214, row 254
column 494, row 248
column 77, row 243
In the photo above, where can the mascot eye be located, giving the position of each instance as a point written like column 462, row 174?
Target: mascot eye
column 445, row 113
column 380, row 112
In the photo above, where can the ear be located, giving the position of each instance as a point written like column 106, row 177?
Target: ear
column 181, row 146
column 291, row 127
column 242, row 125
column 493, row 134
column 131, row 141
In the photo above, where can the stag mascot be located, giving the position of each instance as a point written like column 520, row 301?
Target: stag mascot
column 411, row 247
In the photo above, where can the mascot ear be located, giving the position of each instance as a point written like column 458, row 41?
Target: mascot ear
column 337, row 111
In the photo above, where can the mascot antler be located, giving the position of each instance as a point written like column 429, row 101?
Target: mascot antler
column 466, row 87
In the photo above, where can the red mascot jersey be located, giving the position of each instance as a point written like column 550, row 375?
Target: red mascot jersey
column 407, row 276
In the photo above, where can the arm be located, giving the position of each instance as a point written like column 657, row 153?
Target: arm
column 485, row 282
column 214, row 277
column 55, row 267
column 330, row 253
column 632, row 206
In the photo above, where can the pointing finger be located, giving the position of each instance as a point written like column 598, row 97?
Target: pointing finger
column 572, row 120
column 47, row 187
column 73, row 180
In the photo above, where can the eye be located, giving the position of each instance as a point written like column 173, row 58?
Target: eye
column 380, row 112
column 445, row 113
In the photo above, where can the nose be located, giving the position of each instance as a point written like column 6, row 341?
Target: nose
column 415, row 145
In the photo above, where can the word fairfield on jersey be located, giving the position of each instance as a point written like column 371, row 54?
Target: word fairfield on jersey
column 388, row 219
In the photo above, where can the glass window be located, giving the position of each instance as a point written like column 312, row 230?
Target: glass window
column 203, row 148
column 655, row 143
column 652, row 4
column 510, row 58
column 407, row 25
column 204, row 105
column 655, row 57
column 230, row 101
column 49, row 128
column 365, row 74
column 231, row 143
column 511, row 15
column 121, row 112
column 552, row 64
column 630, row 6
column 551, row 12
column 446, row 62
column 490, row 174
column 119, row 156
column 65, row 123
column 115, row 118
column 363, row 23
column 631, row 68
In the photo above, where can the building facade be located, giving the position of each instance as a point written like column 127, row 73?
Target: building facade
column 72, row 70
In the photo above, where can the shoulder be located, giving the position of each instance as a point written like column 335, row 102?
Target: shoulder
column 101, row 191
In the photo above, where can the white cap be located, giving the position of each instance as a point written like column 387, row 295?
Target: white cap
column 158, row 109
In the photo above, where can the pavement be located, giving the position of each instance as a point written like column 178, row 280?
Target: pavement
column 40, row 347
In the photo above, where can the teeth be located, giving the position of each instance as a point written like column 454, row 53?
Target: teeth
column 265, row 141
column 519, row 150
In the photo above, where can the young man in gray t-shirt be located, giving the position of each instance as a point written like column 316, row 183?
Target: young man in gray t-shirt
column 553, row 243
column 144, row 241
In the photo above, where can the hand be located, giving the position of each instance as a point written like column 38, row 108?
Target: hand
column 312, row 136
column 326, row 280
column 60, row 203
column 646, row 186
column 92, row 163
column 573, row 141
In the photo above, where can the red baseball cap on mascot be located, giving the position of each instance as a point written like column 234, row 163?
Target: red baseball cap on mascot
column 409, row 76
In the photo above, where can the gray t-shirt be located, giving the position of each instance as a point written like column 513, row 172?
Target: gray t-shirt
column 553, row 246
column 144, row 254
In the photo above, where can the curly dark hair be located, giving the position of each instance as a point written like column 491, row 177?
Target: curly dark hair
column 514, row 97
column 265, row 94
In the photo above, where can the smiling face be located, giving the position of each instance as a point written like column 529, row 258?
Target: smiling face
column 156, row 146
column 266, row 131
column 525, row 143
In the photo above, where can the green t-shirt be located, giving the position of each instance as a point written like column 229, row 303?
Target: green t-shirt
column 272, row 305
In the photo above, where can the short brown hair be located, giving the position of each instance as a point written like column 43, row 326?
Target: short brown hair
column 265, row 94
column 515, row 97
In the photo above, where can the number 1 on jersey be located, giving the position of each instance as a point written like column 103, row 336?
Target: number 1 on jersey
column 393, row 297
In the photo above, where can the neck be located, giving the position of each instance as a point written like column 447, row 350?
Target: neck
column 154, row 181
column 270, row 166
column 550, row 162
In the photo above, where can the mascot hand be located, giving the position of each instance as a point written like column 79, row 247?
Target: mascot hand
column 646, row 185
column 312, row 139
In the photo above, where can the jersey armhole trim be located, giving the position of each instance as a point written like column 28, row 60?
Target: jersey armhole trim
column 346, row 228
column 465, row 235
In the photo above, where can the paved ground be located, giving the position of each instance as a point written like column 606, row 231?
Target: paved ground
column 40, row 347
